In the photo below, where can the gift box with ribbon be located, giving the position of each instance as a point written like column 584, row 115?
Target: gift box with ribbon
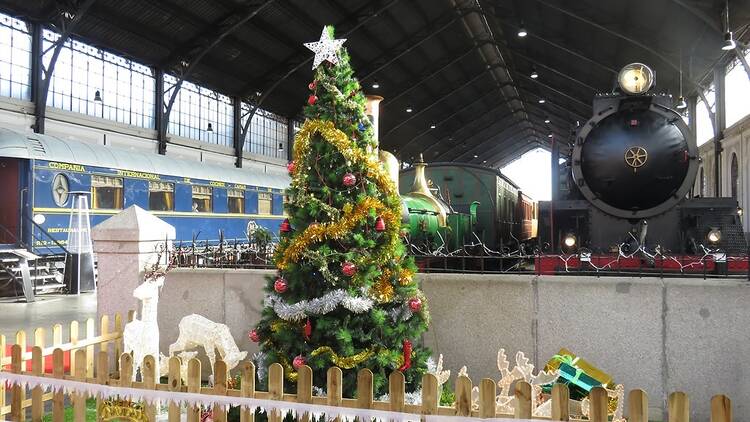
column 581, row 364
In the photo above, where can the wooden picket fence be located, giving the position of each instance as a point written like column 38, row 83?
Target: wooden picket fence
column 79, row 338
column 90, row 366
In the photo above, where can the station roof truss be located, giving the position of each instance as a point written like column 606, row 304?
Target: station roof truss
column 458, row 64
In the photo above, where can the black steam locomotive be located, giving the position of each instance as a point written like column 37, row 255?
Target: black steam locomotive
column 624, row 181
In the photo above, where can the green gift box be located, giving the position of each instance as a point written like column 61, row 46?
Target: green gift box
column 578, row 377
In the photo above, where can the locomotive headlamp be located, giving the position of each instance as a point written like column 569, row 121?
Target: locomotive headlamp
column 636, row 78
column 39, row 219
column 740, row 211
column 714, row 236
column 570, row 240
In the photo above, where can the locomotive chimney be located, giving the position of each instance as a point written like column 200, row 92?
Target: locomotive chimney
column 372, row 109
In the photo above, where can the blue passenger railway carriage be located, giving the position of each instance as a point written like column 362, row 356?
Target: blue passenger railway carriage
column 40, row 173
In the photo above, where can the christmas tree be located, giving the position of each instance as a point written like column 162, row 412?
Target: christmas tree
column 344, row 294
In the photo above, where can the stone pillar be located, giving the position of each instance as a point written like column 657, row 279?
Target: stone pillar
column 124, row 245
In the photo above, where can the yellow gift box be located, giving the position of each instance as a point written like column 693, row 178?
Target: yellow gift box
column 583, row 365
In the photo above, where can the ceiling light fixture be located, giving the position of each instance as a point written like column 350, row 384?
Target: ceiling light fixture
column 542, row 101
column 210, row 128
column 729, row 43
column 281, row 146
column 476, row 156
column 432, row 126
column 98, row 96
column 546, row 120
column 549, row 136
column 522, row 31
column 409, row 109
column 534, row 75
column 375, row 84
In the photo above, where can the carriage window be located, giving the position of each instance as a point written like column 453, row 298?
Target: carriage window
column 236, row 201
column 106, row 192
column 201, row 199
column 265, row 202
column 160, row 196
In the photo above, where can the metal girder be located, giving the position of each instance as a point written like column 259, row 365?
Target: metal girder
column 533, row 34
column 478, row 29
column 503, row 146
column 466, row 125
column 224, row 28
column 517, row 53
column 615, row 34
column 411, row 42
column 549, row 112
column 42, row 75
column 470, row 149
column 500, row 140
column 194, row 50
column 741, row 56
column 462, row 143
column 553, row 103
column 587, row 106
column 171, row 8
column 403, row 90
column 437, row 101
column 447, row 118
column 711, row 23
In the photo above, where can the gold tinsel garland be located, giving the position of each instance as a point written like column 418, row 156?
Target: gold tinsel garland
column 335, row 229
column 346, row 362
column 346, row 147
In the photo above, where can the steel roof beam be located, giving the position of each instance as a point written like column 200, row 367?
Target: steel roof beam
column 586, row 106
column 709, row 21
column 485, row 137
column 497, row 140
column 502, row 147
column 197, row 48
column 447, row 118
column 403, row 90
column 615, row 34
column 411, row 42
column 533, row 34
column 491, row 126
column 438, row 101
column 553, row 103
column 465, row 126
column 517, row 53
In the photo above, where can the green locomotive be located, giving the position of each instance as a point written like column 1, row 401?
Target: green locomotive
column 452, row 206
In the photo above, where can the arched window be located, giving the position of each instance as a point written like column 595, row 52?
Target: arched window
column 734, row 176
column 702, row 182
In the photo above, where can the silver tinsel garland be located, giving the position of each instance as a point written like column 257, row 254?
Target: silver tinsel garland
column 318, row 306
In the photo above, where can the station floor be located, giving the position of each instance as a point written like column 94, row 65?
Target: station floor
column 47, row 311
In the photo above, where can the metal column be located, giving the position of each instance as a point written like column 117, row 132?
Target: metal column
column 36, row 77
column 161, row 124
column 237, row 130
column 289, row 139
column 721, row 123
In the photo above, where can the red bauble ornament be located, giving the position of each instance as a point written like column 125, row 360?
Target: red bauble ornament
column 285, row 227
column 415, row 304
column 407, row 356
column 349, row 179
column 313, row 85
column 308, row 329
column 254, row 336
column 348, row 268
column 379, row 224
column 312, row 99
column 290, row 167
column 298, row 361
column 280, row 285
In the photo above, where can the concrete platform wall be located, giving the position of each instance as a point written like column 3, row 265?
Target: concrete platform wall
column 658, row 335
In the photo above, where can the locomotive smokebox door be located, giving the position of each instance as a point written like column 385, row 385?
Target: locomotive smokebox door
column 635, row 159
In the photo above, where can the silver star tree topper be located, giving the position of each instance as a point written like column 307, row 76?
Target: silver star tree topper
column 326, row 48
